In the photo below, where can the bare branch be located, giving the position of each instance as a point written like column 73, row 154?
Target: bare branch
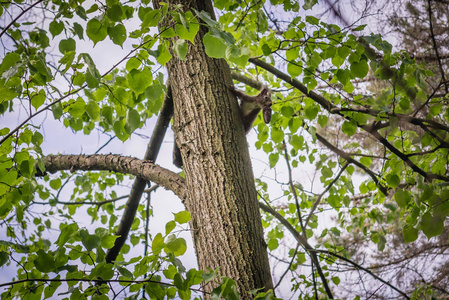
column 300, row 239
column 18, row 17
column 318, row 200
column 120, row 164
column 303, row 241
column 293, row 189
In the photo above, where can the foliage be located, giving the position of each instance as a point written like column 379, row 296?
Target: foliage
column 328, row 113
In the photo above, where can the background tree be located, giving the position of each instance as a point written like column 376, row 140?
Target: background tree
column 323, row 109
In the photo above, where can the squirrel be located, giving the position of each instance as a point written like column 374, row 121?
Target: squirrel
column 250, row 106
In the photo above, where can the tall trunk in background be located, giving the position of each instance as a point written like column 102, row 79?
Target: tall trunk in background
column 226, row 223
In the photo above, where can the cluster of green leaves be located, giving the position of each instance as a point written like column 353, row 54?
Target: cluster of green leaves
column 61, row 263
column 325, row 56
column 119, row 101
column 318, row 55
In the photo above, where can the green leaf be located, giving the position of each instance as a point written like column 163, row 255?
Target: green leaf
column 92, row 75
column 44, row 261
column 214, row 47
column 393, row 180
column 139, row 80
column 55, row 183
column 158, row 244
column 117, row 34
column 410, row 234
column 343, row 76
column 208, row 277
column 56, row 27
column 4, row 257
column 180, row 48
column 67, row 232
column 277, row 135
column 297, row 142
column 177, row 246
column 178, row 281
column 205, row 16
column 163, row 55
column 402, row 198
column 132, row 121
column 182, row 217
column 294, row 70
column 103, row 270
column 343, row 52
column 228, row 290
column 119, row 130
column 273, row 158
column 312, row 20
column 133, row 63
column 349, row 127
column 311, row 112
column 359, row 69
column 38, row 99
column 125, row 272
column 78, row 30
column 334, row 201
column 431, row 225
column 115, row 13
column 188, row 34
column 151, row 18
column 170, row 226
column 90, row 241
column 67, row 45
column 93, row 110
column 336, row 280
column 273, row 244
column 96, row 31
column 77, row 108
column 237, row 55
column 308, row 4
column 108, row 241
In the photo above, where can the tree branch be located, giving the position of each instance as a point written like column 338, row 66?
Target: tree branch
column 18, row 17
column 303, row 241
column 326, row 104
column 351, row 160
column 363, row 269
column 139, row 184
column 293, row 189
column 318, row 200
column 300, row 239
column 120, row 164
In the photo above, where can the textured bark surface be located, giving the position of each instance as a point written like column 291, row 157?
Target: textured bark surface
column 121, row 164
column 221, row 194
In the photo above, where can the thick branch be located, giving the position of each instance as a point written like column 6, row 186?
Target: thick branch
column 246, row 80
column 120, row 164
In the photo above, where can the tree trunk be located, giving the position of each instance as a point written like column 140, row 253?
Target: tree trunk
column 221, row 195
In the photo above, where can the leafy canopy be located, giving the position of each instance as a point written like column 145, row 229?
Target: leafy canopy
column 392, row 136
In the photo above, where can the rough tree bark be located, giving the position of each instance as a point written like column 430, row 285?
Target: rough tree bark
column 221, row 195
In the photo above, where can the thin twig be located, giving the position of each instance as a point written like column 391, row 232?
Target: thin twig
column 18, row 17
column 317, row 201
